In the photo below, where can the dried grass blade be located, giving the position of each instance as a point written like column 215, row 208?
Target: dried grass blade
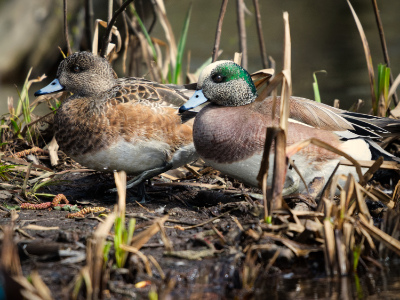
column 367, row 54
column 396, row 193
column 368, row 237
column 169, row 34
column 329, row 240
column 10, row 104
column 143, row 257
column 263, row 173
column 40, row 286
column 291, row 150
column 143, row 237
column 360, row 199
column 95, row 42
column 389, row 165
column 120, row 182
column 273, row 84
column 287, row 79
column 393, row 89
column 381, row 236
column 53, row 148
column 375, row 167
column 280, row 168
column 237, row 58
column 341, row 253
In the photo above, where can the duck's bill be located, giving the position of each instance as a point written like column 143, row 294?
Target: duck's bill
column 53, row 87
column 197, row 99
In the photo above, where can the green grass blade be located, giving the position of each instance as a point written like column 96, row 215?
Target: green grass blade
column 386, row 85
column 22, row 95
column 317, row 96
column 181, row 46
column 25, row 107
column 106, row 252
column 146, row 34
column 15, row 126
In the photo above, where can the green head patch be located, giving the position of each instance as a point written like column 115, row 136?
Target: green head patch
column 230, row 71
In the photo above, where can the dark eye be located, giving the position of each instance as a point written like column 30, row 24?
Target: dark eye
column 217, row 78
column 76, row 69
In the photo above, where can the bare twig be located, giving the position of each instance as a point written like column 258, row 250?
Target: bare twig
column 66, row 28
column 89, row 14
column 107, row 35
column 242, row 32
column 109, row 11
column 219, row 29
column 383, row 44
column 260, row 35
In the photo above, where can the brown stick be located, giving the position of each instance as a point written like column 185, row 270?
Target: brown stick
column 263, row 51
column 242, row 32
column 383, row 44
column 89, row 14
column 107, row 35
column 66, row 28
column 109, row 11
column 219, row 30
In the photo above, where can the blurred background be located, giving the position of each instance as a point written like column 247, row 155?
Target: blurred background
column 323, row 33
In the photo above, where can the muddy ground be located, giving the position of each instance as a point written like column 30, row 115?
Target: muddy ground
column 210, row 260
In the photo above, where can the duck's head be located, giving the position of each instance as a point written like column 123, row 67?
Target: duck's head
column 83, row 74
column 223, row 83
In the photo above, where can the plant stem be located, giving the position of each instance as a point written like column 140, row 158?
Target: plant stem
column 383, row 44
column 242, row 32
column 107, row 35
column 263, row 51
column 66, row 28
column 219, row 30
column 89, row 14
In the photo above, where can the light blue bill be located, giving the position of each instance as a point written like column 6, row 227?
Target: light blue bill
column 53, row 87
column 197, row 99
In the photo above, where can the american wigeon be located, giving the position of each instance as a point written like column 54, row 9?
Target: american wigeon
column 229, row 133
column 113, row 124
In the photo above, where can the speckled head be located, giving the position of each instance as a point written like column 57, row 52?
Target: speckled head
column 227, row 84
column 85, row 74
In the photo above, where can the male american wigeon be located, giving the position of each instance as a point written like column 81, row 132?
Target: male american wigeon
column 229, row 133
column 113, row 124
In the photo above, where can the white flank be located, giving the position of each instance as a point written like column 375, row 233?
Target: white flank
column 134, row 158
column 357, row 148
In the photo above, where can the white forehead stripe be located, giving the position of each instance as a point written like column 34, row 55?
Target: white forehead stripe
column 207, row 71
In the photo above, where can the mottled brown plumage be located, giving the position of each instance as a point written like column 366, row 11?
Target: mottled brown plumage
column 127, row 124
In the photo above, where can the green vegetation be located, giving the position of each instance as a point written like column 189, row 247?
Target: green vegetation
column 382, row 87
column 122, row 236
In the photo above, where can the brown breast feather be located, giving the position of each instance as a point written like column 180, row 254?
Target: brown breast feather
column 84, row 125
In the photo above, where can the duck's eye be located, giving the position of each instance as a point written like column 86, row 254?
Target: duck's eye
column 76, row 69
column 217, row 78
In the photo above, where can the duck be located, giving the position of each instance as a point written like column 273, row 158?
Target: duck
column 229, row 133
column 119, row 124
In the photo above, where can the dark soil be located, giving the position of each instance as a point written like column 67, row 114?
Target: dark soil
column 220, row 267
column 215, row 274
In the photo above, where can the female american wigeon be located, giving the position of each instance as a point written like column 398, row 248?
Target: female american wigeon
column 229, row 133
column 113, row 124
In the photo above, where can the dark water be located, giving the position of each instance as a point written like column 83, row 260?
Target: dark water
column 383, row 285
column 323, row 35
